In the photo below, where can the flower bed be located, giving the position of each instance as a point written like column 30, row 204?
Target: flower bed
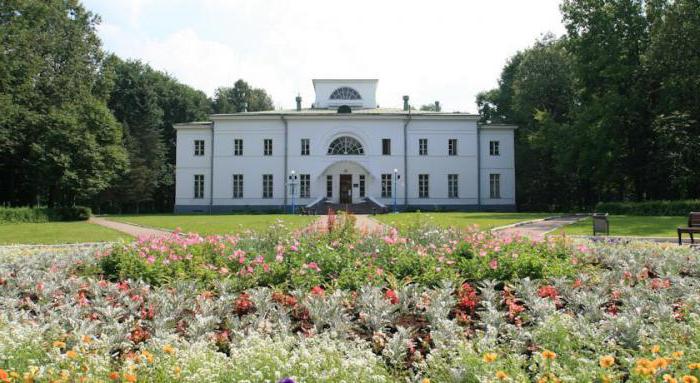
column 616, row 312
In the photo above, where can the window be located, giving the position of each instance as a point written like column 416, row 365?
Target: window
column 267, row 186
column 494, row 149
column 199, row 186
column 267, row 144
column 386, row 146
column 345, row 93
column 386, row 186
column 423, row 187
column 452, row 186
column 495, row 185
column 329, row 186
column 238, row 186
column 305, row 147
column 452, row 146
column 423, row 147
column 304, row 186
column 198, row 147
column 238, row 147
column 345, row 146
column 362, row 186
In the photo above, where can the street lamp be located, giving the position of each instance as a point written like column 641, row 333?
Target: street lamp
column 292, row 183
column 395, row 187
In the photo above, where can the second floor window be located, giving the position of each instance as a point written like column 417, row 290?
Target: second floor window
column 452, row 146
column 494, row 148
column 237, row 147
column 198, row 147
column 304, row 186
column 305, row 147
column 199, row 186
column 267, row 147
column 423, row 147
column 238, row 186
column 386, row 185
column 386, row 146
column 423, row 186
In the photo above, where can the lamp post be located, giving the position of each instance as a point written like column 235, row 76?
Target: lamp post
column 394, row 188
column 292, row 183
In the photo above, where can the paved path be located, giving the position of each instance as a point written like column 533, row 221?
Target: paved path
column 133, row 230
column 538, row 229
column 364, row 223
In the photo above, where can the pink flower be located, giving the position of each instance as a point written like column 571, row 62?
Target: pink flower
column 150, row 259
column 318, row 291
column 293, row 248
column 493, row 264
column 279, row 257
column 312, row 266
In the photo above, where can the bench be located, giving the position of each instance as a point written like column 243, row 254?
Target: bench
column 693, row 227
column 600, row 223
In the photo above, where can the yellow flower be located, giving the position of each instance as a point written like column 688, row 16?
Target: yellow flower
column 71, row 354
column 86, row 339
column 606, row 361
column 130, row 378
column 425, row 380
column 694, row 366
column 606, row 379
column 148, row 356
column 501, row 375
column 178, row 369
column 168, row 349
column 669, row 379
column 660, row 363
column 655, row 349
column 59, row 344
column 677, row 354
column 689, row 379
column 548, row 354
column 490, row 357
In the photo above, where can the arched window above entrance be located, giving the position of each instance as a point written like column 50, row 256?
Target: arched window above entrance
column 345, row 146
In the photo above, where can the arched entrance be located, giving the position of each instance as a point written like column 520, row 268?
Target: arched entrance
column 347, row 182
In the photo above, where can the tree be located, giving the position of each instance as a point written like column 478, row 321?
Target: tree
column 233, row 99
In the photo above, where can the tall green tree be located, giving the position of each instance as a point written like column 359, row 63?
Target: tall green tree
column 60, row 144
column 234, row 99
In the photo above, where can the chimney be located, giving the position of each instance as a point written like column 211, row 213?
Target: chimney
column 437, row 106
column 405, row 103
column 298, row 103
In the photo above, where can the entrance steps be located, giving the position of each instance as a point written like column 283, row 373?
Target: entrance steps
column 366, row 207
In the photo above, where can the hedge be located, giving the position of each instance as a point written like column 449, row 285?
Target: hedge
column 681, row 207
column 43, row 214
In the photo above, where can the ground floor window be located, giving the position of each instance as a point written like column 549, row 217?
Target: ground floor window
column 267, row 186
column 329, row 186
column 452, row 186
column 199, row 186
column 386, row 186
column 362, row 186
column 304, row 185
column 423, row 186
column 238, row 186
column 495, row 185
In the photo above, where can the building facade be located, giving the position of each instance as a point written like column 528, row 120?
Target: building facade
column 344, row 150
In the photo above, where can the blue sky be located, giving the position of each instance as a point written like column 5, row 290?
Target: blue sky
column 431, row 50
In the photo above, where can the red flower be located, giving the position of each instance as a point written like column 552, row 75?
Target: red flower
column 391, row 296
column 548, row 291
column 318, row 291
column 243, row 305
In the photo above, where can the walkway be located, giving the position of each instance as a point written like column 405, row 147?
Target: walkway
column 537, row 229
column 364, row 223
column 133, row 230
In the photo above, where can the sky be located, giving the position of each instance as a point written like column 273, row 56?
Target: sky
column 437, row 50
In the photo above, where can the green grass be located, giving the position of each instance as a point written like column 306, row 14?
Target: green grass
column 205, row 224
column 631, row 225
column 56, row 232
column 485, row 221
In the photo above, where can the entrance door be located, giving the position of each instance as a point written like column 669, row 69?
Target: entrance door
column 345, row 188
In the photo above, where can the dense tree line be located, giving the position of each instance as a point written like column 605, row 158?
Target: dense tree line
column 609, row 111
column 78, row 125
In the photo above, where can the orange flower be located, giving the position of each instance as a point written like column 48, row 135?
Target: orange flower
column 694, row 366
column 490, row 357
column 4, row 377
column 87, row 339
column 606, row 361
column 677, row 354
column 168, row 349
column 59, row 344
column 501, row 375
column 660, row 363
column 131, row 378
column 71, row 354
column 689, row 379
column 426, row 380
column 655, row 349
column 546, row 354
column 114, row 375
column 669, row 379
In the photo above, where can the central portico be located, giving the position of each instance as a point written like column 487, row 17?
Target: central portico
column 344, row 150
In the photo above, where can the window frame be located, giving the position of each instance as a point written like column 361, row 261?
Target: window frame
column 424, row 185
column 304, row 185
column 267, row 147
column 452, row 147
column 237, row 146
column 268, row 186
column 237, row 191
column 363, row 187
column 386, row 146
column 345, row 146
column 198, row 148
column 453, row 186
column 387, row 185
column 329, row 186
column 495, row 186
column 422, row 146
column 305, row 146
column 199, row 186
column 495, row 148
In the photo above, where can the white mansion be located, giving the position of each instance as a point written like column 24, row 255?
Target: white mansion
column 344, row 150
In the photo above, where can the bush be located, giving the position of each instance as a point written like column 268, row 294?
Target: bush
column 681, row 207
column 43, row 214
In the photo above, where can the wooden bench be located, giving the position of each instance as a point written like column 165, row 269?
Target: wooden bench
column 693, row 227
column 600, row 223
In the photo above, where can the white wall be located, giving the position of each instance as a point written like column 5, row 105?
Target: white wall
column 503, row 164
column 366, row 88
column 187, row 164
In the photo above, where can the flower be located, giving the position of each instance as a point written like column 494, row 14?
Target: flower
column 677, row 354
column 114, row 375
column 490, row 357
column 689, row 379
column 71, row 354
column 606, row 361
column 168, row 349
column 694, row 366
column 425, row 380
column 4, row 377
column 493, row 264
column 655, row 349
column 131, row 378
column 391, row 296
column 501, row 375
column 669, row 379
column 287, row 380
column 318, row 291
column 59, row 344
column 546, row 354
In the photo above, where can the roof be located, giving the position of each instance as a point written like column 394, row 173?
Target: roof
column 334, row 112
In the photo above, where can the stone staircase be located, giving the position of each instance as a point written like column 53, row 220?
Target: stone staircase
column 366, row 207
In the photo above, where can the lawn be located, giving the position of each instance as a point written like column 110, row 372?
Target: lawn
column 215, row 224
column 458, row 219
column 630, row 225
column 56, row 232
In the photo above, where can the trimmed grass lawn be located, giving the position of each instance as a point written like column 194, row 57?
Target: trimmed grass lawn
column 458, row 219
column 56, row 232
column 631, row 225
column 215, row 224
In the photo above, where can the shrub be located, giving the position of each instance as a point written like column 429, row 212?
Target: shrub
column 682, row 207
column 43, row 214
